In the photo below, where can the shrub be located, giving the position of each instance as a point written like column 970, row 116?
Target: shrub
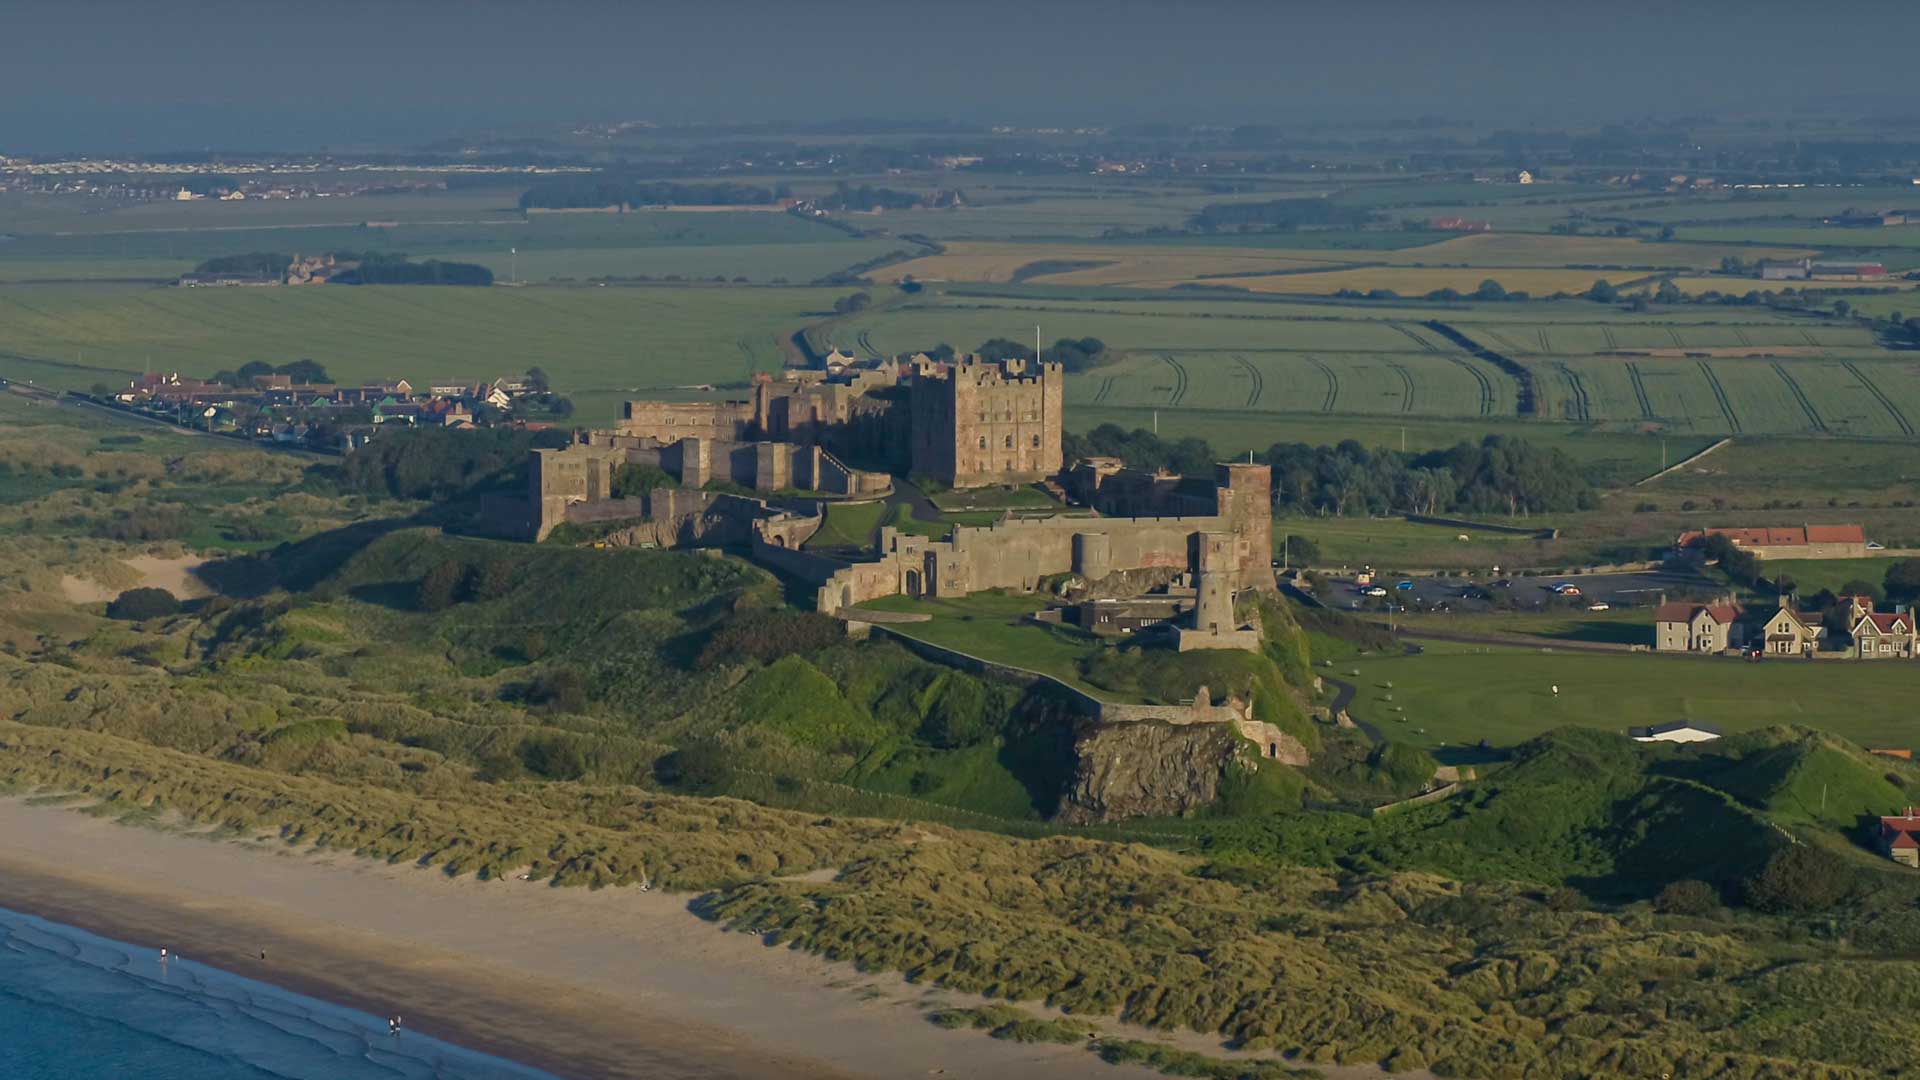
column 1798, row 879
column 1565, row 899
column 562, row 689
column 554, row 757
column 439, row 587
column 144, row 603
column 766, row 636
column 1687, row 897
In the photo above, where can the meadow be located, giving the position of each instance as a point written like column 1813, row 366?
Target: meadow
column 1455, row 697
column 600, row 345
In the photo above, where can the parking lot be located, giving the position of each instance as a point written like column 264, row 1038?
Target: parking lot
column 1538, row 593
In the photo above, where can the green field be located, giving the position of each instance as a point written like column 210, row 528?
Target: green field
column 1458, row 697
column 599, row 345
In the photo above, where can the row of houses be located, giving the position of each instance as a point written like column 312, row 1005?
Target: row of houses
column 276, row 409
column 1724, row 626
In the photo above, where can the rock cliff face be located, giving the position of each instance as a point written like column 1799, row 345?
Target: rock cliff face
column 1146, row 769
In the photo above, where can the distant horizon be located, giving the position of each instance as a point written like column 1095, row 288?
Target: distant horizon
column 123, row 77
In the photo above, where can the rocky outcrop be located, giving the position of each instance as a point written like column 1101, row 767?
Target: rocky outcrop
column 1147, row 769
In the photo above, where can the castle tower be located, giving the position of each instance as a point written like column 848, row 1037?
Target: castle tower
column 979, row 422
column 1245, row 500
column 1216, row 567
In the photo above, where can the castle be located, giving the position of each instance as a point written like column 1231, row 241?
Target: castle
column 966, row 423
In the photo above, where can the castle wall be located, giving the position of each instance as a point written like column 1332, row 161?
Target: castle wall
column 671, row 421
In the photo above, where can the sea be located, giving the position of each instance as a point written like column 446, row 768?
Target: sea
column 75, row 1005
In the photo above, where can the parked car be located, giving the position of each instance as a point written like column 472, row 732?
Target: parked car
column 1874, row 545
column 1567, row 590
column 1405, row 586
column 1601, row 606
column 1373, row 590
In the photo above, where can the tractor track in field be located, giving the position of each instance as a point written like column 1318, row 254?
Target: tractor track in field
column 1675, row 335
column 1105, row 391
column 1793, row 387
column 1720, row 395
column 1179, row 380
column 1807, row 335
column 1741, row 336
column 1899, row 418
column 1545, row 345
column 1582, row 406
column 1525, row 403
column 1406, row 385
column 1259, row 381
column 1640, row 390
column 1607, row 333
column 866, row 344
column 1425, row 345
column 1333, row 383
column 1480, row 377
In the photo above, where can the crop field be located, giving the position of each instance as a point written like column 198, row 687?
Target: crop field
column 599, row 345
column 1506, row 695
column 1418, row 281
column 758, row 246
column 1741, row 286
column 1532, row 263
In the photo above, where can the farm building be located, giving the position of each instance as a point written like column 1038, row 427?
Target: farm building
column 1678, row 731
column 1682, row 626
column 1847, row 271
column 1458, row 224
column 1789, row 542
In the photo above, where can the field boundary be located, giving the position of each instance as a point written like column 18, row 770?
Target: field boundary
column 1683, row 462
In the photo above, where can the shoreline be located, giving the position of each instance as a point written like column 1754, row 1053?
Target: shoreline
column 611, row 983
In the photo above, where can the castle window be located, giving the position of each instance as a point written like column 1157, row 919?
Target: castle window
column 983, row 442
column 1009, row 442
column 1036, row 442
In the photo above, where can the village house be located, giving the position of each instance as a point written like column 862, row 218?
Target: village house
column 1683, row 626
column 1881, row 635
column 1897, row 837
column 1792, row 633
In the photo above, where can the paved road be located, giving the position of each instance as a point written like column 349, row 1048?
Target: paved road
column 1641, row 589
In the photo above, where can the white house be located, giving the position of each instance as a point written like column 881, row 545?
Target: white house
column 1681, row 731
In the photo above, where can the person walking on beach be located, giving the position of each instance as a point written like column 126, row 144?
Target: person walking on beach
column 163, row 953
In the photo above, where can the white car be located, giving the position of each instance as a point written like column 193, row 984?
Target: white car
column 1373, row 590
column 1601, row 606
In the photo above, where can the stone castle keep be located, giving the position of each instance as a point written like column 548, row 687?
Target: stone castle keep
column 969, row 423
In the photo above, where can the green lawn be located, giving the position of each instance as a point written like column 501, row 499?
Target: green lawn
column 848, row 525
column 1812, row 575
column 988, row 625
column 1621, row 626
column 1396, row 543
column 1460, row 696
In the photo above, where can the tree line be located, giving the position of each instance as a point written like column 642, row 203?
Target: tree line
column 379, row 269
column 1499, row 475
column 595, row 192
column 1278, row 215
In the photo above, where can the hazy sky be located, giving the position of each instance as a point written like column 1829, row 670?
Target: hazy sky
column 78, row 74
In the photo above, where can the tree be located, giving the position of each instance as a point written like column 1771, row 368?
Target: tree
column 1603, row 292
column 847, row 305
column 537, row 381
column 304, row 371
column 1799, row 879
column 562, row 689
column 1842, row 309
column 100, row 390
column 1903, row 581
column 1490, row 290
column 1666, row 232
column 1298, row 551
column 1669, row 293
column 135, row 605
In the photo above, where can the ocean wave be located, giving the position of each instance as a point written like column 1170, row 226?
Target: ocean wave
column 94, row 1005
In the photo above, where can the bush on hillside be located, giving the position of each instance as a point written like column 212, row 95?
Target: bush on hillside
column 764, row 636
column 1687, row 897
column 562, row 689
column 439, row 588
column 1800, row 879
column 143, row 603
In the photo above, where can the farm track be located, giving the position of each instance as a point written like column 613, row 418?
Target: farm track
column 1741, row 336
column 1581, row 407
column 1545, row 345
column 1607, row 332
column 1480, row 377
column 1810, row 339
column 1179, row 380
column 1425, row 345
column 1525, row 402
column 1406, row 385
column 1813, row 416
column 866, row 344
column 1640, row 391
column 1720, row 395
column 1333, row 384
column 1899, row 418
column 1259, row 381
column 1675, row 335
column 1106, row 390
